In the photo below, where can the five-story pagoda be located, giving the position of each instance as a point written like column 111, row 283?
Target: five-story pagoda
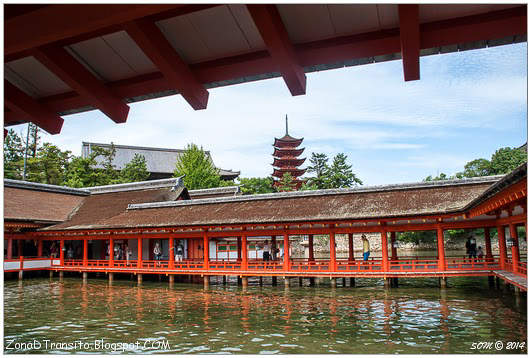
column 286, row 158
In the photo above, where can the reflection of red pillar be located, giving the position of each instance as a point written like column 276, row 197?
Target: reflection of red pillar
column 332, row 251
column 385, row 252
column 39, row 247
column 310, row 248
column 111, row 252
column 440, row 248
column 515, row 250
column 139, row 254
column 286, row 252
column 62, row 252
column 171, row 252
column 9, row 248
column 394, row 255
column 488, row 246
column 205, row 250
column 244, row 252
column 85, row 252
column 239, row 247
column 502, row 246
column 350, row 247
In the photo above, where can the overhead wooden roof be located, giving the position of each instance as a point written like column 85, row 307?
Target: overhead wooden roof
column 68, row 58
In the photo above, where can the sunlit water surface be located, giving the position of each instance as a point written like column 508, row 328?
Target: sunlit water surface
column 417, row 317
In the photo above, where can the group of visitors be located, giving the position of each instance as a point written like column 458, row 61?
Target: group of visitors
column 121, row 252
column 179, row 252
column 471, row 250
column 270, row 252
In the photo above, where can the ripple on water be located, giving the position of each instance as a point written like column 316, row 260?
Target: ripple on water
column 268, row 320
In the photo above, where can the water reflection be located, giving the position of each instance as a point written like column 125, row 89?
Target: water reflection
column 224, row 319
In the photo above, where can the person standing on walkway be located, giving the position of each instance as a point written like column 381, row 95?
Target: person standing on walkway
column 265, row 254
column 157, row 252
column 366, row 247
column 179, row 253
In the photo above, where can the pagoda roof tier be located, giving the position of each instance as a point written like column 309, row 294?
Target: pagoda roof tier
column 288, row 162
column 283, row 153
column 287, row 142
column 279, row 173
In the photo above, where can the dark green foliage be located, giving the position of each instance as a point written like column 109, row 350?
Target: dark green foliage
column 337, row 175
column 256, row 185
column 13, row 155
column 286, row 183
column 135, row 170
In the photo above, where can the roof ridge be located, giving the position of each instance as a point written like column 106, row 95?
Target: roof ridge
column 126, row 146
column 22, row 184
column 307, row 193
column 140, row 185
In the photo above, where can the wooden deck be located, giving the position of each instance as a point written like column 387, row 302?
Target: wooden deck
column 514, row 279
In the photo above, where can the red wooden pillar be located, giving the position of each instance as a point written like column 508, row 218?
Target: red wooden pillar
column 151, row 256
column 239, row 246
column 488, row 246
column 19, row 247
column 332, row 251
column 310, row 248
column 385, row 251
column 286, row 252
column 515, row 250
column 103, row 252
column 351, row 247
column 171, row 251
column 273, row 244
column 111, row 252
column 440, row 248
column 9, row 249
column 205, row 251
column 244, row 252
column 39, row 247
column 85, row 252
column 139, row 254
column 502, row 246
column 62, row 252
column 394, row 254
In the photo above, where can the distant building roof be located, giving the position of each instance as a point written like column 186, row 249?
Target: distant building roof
column 158, row 160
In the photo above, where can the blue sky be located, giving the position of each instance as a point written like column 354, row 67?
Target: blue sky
column 465, row 106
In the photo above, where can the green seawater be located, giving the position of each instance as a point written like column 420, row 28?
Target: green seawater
column 418, row 317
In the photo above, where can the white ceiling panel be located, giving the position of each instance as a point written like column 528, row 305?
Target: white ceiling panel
column 184, row 38
column 306, row 23
column 102, row 59
column 429, row 13
column 246, row 24
column 34, row 78
column 348, row 19
column 128, row 50
column 220, row 31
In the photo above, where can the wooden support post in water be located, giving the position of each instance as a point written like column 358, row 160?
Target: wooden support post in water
column 352, row 282
column 20, row 274
column 206, row 282
column 387, row 283
column 491, row 281
column 224, row 279
column 139, row 278
column 61, row 275
column 333, row 282
column 300, row 281
column 171, row 279
column 443, row 282
column 51, row 274
column 274, row 280
column 344, row 282
column 261, row 281
column 85, row 277
column 245, row 282
column 286, row 281
column 312, row 281
column 395, row 281
column 111, row 278
column 239, row 280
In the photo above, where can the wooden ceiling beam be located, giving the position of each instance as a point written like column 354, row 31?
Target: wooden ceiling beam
column 81, row 80
column 269, row 23
column 154, row 44
column 18, row 101
column 410, row 40
column 56, row 22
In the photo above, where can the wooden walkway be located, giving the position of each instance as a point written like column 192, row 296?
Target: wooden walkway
column 512, row 278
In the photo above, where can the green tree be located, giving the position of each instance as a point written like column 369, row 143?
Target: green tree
column 198, row 169
column 13, row 155
column 505, row 160
column 135, row 170
column 341, row 174
column 49, row 166
column 256, row 185
column 477, row 168
column 441, row 176
column 83, row 172
column 286, row 183
column 306, row 185
column 319, row 166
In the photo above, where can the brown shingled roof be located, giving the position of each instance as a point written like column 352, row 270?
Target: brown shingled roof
column 34, row 205
column 110, row 211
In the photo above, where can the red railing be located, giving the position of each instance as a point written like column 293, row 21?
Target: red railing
column 522, row 269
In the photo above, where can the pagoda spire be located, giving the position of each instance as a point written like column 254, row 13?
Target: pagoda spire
column 287, row 125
